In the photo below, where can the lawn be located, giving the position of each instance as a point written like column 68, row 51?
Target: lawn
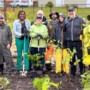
column 31, row 12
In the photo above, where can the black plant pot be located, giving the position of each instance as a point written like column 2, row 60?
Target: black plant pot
column 88, row 50
column 38, row 70
column 33, row 74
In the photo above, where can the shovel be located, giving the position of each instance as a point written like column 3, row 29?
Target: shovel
column 62, row 51
column 23, row 72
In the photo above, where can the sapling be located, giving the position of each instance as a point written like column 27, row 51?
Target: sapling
column 85, row 80
column 44, row 83
column 35, row 60
column 3, row 83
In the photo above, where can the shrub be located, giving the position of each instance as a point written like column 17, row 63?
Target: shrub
column 49, row 4
column 75, row 6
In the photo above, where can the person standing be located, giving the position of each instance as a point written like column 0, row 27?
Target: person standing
column 51, row 26
column 57, row 36
column 44, row 20
column 38, row 34
column 20, row 27
column 5, row 44
column 73, row 25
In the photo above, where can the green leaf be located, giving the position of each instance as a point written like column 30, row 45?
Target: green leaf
column 83, row 76
column 35, row 82
column 45, row 86
column 56, row 85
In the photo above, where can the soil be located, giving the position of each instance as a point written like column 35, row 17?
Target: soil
column 26, row 83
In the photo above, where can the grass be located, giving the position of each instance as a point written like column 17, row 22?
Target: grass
column 32, row 12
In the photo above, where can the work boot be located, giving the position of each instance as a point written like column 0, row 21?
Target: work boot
column 72, row 74
column 18, row 72
column 1, row 73
column 1, row 69
column 48, row 67
column 11, row 73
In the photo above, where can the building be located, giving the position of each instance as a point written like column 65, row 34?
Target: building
column 58, row 3
column 80, row 3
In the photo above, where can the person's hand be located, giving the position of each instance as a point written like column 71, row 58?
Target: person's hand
column 38, row 35
column 62, row 25
column 24, row 34
column 8, row 46
column 48, row 46
column 26, row 30
column 81, row 32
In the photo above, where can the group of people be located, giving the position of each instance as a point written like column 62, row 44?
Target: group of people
column 37, row 34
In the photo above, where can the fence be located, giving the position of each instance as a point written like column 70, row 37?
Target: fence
column 81, row 9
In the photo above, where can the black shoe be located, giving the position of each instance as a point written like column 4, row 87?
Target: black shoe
column 1, row 73
column 89, row 68
column 48, row 67
column 74, row 74
column 11, row 73
column 18, row 72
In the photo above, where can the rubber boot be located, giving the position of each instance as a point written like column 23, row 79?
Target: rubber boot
column 48, row 67
column 1, row 69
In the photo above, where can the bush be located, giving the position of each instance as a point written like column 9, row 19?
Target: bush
column 49, row 4
column 75, row 6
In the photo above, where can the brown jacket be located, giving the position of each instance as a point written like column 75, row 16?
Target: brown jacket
column 51, row 28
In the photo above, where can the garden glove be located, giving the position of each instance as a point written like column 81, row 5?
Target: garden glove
column 25, row 30
column 81, row 32
column 48, row 46
column 24, row 35
column 62, row 26
column 38, row 35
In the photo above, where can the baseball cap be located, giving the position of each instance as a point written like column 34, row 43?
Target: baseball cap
column 71, row 9
column 1, row 16
column 39, row 16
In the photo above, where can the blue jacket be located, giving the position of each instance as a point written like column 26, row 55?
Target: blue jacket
column 17, row 28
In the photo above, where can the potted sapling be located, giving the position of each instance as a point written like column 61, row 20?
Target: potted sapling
column 35, row 63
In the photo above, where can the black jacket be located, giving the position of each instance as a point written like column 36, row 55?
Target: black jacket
column 73, row 28
column 57, row 35
column 44, row 21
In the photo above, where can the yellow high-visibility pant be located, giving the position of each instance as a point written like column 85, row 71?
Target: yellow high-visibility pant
column 59, row 61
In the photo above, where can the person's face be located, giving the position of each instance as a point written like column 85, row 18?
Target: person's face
column 71, row 14
column 1, row 21
column 22, row 16
column 38, row 20
column 41, row 14
column 54, row 16
column 61, row 18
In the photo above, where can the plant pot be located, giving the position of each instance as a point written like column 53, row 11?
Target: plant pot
column 37, row 68
column 33, row 74
column 88, row 50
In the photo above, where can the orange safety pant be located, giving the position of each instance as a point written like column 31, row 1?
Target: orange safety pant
column 49, row 54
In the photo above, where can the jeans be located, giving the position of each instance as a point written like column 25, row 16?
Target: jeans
column 41, row 51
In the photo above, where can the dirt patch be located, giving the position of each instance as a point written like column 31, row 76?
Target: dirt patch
column 26, row 83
